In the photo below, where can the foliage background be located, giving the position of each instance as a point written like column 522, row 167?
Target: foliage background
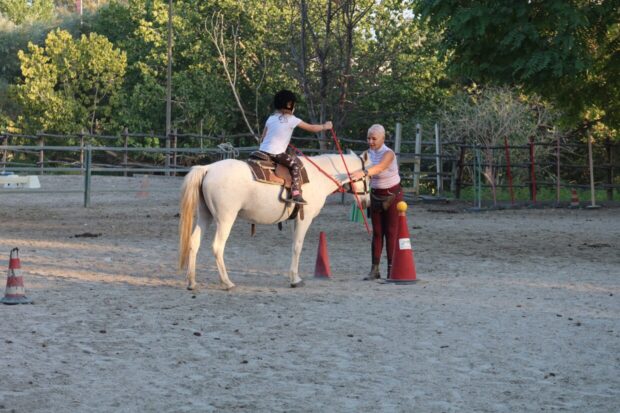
column 355, row 62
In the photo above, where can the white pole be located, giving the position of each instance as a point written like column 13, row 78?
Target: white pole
column 79, row 9
column 438, row 161
column 169, row 87
column 418, row 159
column 398, row 137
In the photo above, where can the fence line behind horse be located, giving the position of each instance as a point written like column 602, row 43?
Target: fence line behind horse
column 434, row 167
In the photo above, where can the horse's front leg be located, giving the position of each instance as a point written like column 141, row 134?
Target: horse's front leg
column 301, row 227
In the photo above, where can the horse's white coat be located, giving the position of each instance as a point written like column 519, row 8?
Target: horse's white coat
column 229, row 191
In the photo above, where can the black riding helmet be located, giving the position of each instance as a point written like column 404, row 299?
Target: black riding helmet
column 284, row 99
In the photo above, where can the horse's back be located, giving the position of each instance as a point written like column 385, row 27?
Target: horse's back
column 230, row 188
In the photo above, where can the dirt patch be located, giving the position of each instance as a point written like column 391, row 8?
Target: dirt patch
column 515, row 311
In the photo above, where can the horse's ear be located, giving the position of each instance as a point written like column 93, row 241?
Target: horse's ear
column 351, row 152
column 364, row 156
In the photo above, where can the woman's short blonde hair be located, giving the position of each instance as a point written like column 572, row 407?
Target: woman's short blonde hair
column 376, row 128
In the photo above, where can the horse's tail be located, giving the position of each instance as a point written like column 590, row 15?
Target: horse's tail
column 190, row 195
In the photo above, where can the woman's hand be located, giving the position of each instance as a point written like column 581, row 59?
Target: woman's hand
column 358, row 175
column 328, row 125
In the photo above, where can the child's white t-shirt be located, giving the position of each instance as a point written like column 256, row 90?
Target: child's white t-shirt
column 279, row 132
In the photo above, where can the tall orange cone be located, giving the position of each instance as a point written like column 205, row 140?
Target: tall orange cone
column 403, row 265
column 322, row 269
column 15, row 292
column 574, row 198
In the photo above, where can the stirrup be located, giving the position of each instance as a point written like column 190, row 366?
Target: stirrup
column 297, row 199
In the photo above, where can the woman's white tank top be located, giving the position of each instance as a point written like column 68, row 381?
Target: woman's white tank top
column 387, row 178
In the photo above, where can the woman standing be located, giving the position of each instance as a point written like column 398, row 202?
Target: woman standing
column 386, row 192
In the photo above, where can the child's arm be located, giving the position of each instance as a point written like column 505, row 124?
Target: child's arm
column 315, row 128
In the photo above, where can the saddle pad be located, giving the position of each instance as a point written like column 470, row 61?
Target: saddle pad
column 271, row 173
column 264, row 173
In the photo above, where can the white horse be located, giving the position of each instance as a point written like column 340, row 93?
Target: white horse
column 225, row 190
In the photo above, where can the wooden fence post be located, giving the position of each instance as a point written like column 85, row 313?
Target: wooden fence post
column 81, row 136
column 438, row 162
column 175, row 153
column 532, row 171
column 610, row 170
column 508, row 172
column 5, row 142
column 418, row 159
column 477, row 178
column 167, row 167
column 42, row 151
column 125, row 135
column 557, row 171
column 87, row 175
column 459, row 176
column 591, row 167
column 398, row 137
column 453, row 173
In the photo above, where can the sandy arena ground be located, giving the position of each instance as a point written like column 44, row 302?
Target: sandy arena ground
column 515, row 311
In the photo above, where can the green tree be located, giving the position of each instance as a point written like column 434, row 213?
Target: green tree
column 21, row 11
column 566, row 51
column 201, row 99
column 69, row 85
column 362, row 61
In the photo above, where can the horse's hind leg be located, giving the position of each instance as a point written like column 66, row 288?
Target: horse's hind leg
column 224, row 225
column 202, row 223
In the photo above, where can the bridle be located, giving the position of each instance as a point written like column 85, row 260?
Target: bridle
column 366, row 180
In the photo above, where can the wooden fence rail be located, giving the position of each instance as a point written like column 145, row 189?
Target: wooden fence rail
column 425, row 165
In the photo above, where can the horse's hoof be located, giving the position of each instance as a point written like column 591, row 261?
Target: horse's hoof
column 299, row 284
column 191, row 287
column 229, row 287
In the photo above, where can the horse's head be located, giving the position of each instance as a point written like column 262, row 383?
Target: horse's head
column 361, row 187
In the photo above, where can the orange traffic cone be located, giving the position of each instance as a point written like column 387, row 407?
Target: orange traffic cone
column 322, row 269
column 403, row 265
column 144, row 187
column 15, row 292
column 574, row 198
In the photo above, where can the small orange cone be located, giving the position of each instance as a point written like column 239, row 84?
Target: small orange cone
column 144, row 187
column 15, row 292
column 322, row 269
column 574, row 198
column 403, row 265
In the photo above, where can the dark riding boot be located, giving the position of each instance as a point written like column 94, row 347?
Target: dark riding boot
column 389, row 270
column 297, row 198
column 374, row 273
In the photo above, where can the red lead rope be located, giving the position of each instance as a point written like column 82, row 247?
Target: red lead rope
column 340, row 188
column 357, row 199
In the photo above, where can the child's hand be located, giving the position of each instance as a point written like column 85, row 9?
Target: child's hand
column 328, row 125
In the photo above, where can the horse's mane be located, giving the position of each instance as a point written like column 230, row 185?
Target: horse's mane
column 335, row 160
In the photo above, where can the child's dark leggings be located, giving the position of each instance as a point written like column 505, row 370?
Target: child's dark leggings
column 292, row 163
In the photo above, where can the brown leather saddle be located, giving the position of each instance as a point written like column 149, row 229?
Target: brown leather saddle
column 268, row 171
